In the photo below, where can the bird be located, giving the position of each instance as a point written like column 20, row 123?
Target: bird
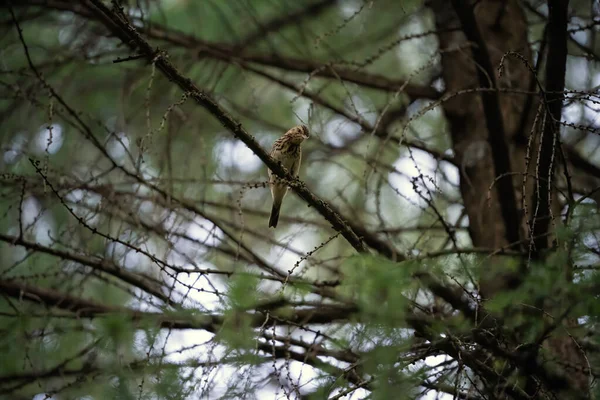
column 288, row 152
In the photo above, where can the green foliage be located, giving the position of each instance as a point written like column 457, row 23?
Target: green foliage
column 118, row 331
column 148, row 190
column 243, row 292
column 170, row 385
column 380, row 288
column 393, row 383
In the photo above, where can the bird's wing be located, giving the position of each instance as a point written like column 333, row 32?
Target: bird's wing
column 296, row 165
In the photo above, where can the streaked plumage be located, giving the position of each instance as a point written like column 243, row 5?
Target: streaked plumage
column 287, row 150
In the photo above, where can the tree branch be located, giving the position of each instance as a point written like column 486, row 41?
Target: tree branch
column 124, row 30
column 99, row 265
column 555, row 84
column 230, row 53
column 282, row 21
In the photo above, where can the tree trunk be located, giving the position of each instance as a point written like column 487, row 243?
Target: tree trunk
column 492, row 30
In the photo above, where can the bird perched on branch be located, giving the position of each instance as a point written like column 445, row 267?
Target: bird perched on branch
column 288, row 152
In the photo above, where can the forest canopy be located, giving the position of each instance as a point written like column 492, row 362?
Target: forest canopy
column 440, row 240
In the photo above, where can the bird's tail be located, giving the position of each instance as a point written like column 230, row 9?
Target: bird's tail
column 274, row 214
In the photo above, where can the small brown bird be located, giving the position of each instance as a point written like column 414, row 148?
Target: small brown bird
column 288, row 152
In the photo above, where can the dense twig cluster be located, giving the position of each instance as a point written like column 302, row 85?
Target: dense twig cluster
column 147, row 209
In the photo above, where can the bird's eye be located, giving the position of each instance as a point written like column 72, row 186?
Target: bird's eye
column 305, row 131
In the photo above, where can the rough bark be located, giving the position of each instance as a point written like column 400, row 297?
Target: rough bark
column 492, row 168
column 502, row 27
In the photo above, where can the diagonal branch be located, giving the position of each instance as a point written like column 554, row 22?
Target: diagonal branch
column 99, row 265
column 127, row 33
column 282, row 21
column 317, row 68
column 230, row 53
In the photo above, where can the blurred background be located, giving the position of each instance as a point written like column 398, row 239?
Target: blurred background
column 135, row 258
